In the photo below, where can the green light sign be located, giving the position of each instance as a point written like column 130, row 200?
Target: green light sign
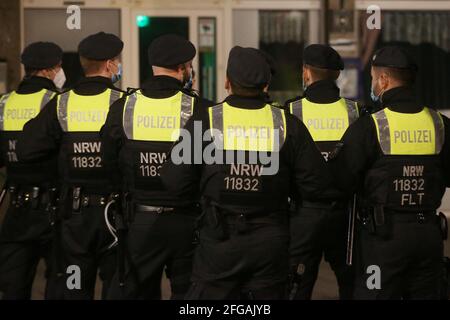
column 142, row 21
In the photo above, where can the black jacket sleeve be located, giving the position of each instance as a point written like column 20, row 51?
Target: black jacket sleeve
column 445, row 153
column 355, row 154
column 41, row 135
column 183, row 177
column 312, row 179
column 113, row 137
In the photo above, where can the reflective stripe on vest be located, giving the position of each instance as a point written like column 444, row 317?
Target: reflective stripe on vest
column 83, row 113
column 149, row 119
column 16, row 109
column 325, row 121
column 419, row 133
column 247, row 129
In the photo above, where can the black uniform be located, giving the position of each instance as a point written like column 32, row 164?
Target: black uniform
column 84, row 236
column 25, row 236
column 160, row 224
column 404, row 241
column 243, row 232
column 319, row 228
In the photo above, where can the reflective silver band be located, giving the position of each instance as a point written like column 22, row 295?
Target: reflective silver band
column 186, row 109
column 278, row 125
column 352, row 111
column 383, row 131
column 129, row 116
column 3, row 100
column 46, row 98
column 297, row 109
column 217, row 124
column 439, row 131
column 62, row 110
column 114, row 96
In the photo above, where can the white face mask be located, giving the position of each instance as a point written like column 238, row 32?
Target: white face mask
column 60, row 78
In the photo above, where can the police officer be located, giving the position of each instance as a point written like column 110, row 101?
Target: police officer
column 320, row 229
column 257, row 154
column 398, row 161
column 25, row 236
column 138, row 133
column 69, row 125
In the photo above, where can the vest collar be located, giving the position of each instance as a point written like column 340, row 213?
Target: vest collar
column 246, row 102
column 322, row 91
column 34, row 84
column 401, row 99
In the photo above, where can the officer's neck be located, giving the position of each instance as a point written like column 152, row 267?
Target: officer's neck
column 103, row 74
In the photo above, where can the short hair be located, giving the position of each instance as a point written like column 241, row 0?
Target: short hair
column 404, row 76
column 323, row 74
column 91, row 66
column 246, row 92
column 30, row 71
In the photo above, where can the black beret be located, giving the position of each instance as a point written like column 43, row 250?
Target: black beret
column 100, row 46
column 170, row 50
column 270, row 61
column 393, row 57
column 41, row 55
column 322, row 56
column 248, row 68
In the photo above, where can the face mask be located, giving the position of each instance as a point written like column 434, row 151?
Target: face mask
column 374, row 97
column 60, row 79
column 190, row 81
column 116, row 77
column 304, row 85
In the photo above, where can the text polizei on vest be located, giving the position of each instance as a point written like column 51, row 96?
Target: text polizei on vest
column 190, row 150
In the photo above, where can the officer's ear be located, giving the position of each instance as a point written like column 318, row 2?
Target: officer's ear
column 384, row 80
column 306, row 75
column 227, row 85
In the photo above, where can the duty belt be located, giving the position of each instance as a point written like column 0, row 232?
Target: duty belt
column 28, row 195
column 152, row 209
column 420, row 217
column 80, row 200
column 323, row 205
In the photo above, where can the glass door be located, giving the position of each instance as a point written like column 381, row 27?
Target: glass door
column 199, row 26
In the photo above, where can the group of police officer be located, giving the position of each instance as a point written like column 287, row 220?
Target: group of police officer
column 95, row 182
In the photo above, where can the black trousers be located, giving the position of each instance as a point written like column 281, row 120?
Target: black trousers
column 25, row 238
column 408, row 253
column 238, row 259
column 156, row 241
column 83, row 240
column 317, row 233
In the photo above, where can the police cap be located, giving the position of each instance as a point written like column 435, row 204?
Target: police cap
column 100, row 46
column 170, row 50
column 248, row 68
column 41, row 55
column 270, row 61
column 322, row 56
column 393, row 57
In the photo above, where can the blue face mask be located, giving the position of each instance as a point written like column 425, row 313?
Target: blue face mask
column 304, row 85
column 116, row 77
column 374, row 97
column 189, row 83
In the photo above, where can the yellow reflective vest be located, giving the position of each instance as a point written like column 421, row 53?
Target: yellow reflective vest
column 241, row 129
column 419, row 133
column 84, row 113
column 16, row 109
column 325, row 121
column 151, row 119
